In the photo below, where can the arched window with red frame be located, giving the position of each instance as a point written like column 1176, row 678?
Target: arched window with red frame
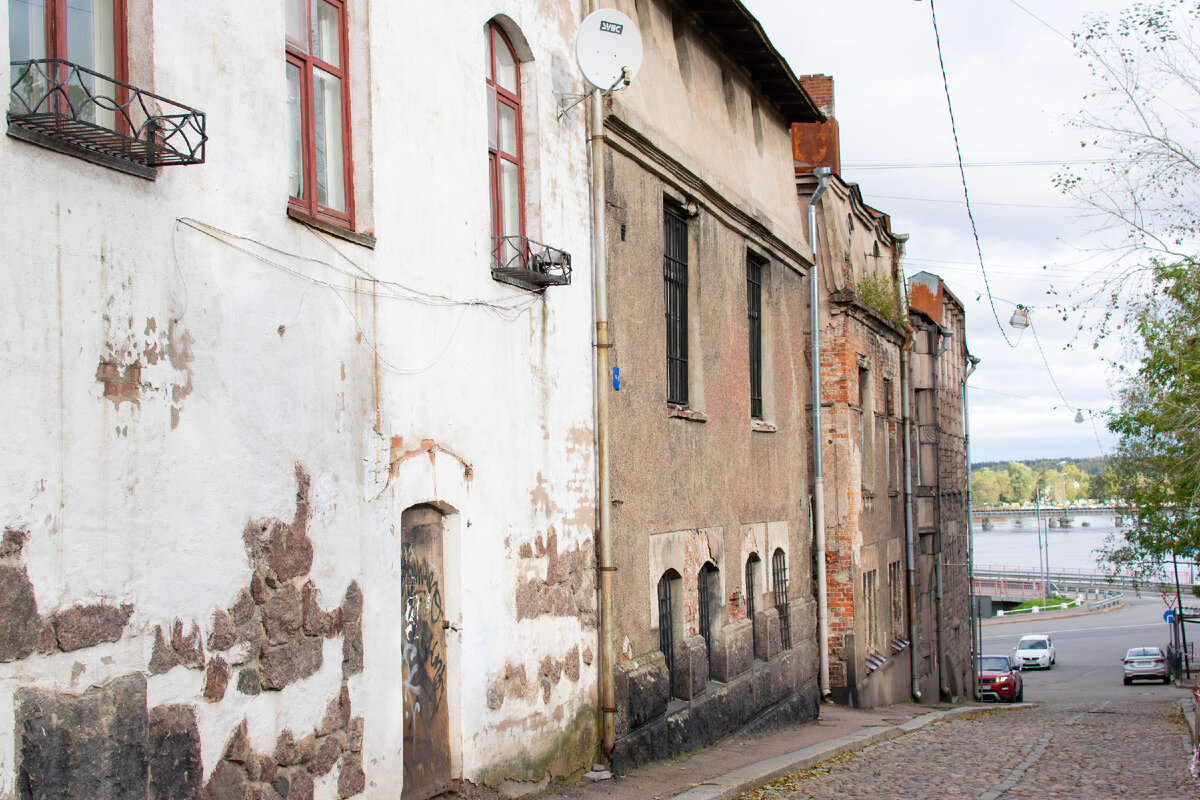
column 505, row 163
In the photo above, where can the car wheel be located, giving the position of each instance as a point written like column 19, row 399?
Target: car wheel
column 1128, row 681
column 1020, row 695
column 1166, row 678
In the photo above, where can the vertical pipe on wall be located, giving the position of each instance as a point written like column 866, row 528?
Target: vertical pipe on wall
column 910, row 554
column 939, row 605
column 973, row 611
column 608, row 702
column 822, row 174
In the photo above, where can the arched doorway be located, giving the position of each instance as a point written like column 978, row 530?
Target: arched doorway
column 423, row 668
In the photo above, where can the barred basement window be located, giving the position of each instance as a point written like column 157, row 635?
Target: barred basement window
column 668, row 606
column 751, row 595
column 675, row 291
column 779, row 571
column 706, row 588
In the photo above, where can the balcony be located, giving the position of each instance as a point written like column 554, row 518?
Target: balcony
column 520, row 261
column 72, row 109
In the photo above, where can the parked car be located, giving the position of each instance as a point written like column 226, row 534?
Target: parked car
column 1035, row 650
column 999, row 679
column 1145, row 662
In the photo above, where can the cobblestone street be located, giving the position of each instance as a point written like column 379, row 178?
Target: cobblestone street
column 1095, row 749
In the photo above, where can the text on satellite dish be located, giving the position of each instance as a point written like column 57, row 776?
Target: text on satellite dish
column 610, row 27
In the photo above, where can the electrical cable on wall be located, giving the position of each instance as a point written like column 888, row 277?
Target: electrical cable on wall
column 508, row 308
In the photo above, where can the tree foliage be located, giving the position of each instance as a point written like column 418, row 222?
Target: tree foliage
column 1157, row 460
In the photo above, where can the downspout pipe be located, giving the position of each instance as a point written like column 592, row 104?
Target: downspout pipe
column 976, row 645
column 604, row 546
column 939, row 605
column 910, row 553
column 822, row 174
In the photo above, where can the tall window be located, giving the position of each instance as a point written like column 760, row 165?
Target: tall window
column 675, row 290
column 870, row 591
column 708, row 595
column 751, row 595
column 754, row 267
column 88, row 33
column 668, row 608
column 318, row 101
column 866, row 442
column 779, row 573
column 504, row 141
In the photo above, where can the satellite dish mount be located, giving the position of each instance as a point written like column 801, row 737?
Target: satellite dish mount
column 608, row 50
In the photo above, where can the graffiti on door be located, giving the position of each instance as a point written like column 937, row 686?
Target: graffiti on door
column 423, row 667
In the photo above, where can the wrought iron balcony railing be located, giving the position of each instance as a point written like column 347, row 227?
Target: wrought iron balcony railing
column 521, row 261
column 55, row 100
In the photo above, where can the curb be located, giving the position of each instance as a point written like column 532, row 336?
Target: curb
column 752, row 776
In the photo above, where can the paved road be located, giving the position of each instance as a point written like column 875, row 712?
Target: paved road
column 1089, row 736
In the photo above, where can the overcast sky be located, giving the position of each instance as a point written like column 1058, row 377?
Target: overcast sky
column 1013, row 82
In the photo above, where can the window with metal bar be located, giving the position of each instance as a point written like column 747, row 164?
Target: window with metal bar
column 779, row 572
column 675, row 291
column 751, row 595
column 754, row 269
column 85, row 33
column 706, row 588
column 666, row 624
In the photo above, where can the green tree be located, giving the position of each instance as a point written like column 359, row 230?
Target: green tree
column 985, row 488
column 1157, row 461
column 1021, row 479
column 1104, row 486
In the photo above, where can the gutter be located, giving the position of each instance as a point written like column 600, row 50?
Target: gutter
column 910, row 554
column 822, row 174
column 604, row 548
column 973, row 616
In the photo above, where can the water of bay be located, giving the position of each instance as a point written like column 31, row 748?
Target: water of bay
column 1013, row 542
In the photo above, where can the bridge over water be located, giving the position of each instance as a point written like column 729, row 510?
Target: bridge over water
column 1049, row 512
column 1016, row 584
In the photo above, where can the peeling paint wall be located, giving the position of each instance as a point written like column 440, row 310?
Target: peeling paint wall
column 689, row 483
column 864, row 498
column 218, row 415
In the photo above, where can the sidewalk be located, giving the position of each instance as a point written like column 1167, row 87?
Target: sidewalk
column 739, row 764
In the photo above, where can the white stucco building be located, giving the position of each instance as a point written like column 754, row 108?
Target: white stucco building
column 298, row 489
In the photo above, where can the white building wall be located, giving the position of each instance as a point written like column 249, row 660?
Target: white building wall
column 388, row 377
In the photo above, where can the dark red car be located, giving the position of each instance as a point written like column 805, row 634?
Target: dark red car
column 1000, row 680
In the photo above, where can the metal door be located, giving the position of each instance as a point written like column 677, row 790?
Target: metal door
column 423, row 668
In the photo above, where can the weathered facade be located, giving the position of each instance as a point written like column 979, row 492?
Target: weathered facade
column 878, row 597
column 707, row 267
column 299, row 488
column 939, row 359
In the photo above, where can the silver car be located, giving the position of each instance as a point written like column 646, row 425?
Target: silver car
column 1035, row 650
column 1145, row 662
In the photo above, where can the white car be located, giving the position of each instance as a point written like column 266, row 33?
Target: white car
column 1035, row 650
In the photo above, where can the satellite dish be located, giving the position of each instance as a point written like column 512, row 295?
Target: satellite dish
column 608, row 49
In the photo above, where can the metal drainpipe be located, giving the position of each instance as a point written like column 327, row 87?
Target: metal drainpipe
column 973, row 612
column 822, row 174
column 938, row 594
column 605, row 568
column 906, row 416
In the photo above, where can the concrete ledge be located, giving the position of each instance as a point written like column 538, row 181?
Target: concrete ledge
column 748, row 778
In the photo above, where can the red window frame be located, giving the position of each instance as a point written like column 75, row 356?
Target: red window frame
column 497, row 96
column 306, row 62
column 55, row 24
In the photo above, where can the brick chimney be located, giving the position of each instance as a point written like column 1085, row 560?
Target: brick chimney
column 816, row 144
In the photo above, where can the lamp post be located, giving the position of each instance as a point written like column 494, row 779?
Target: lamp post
column 1037, row 499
